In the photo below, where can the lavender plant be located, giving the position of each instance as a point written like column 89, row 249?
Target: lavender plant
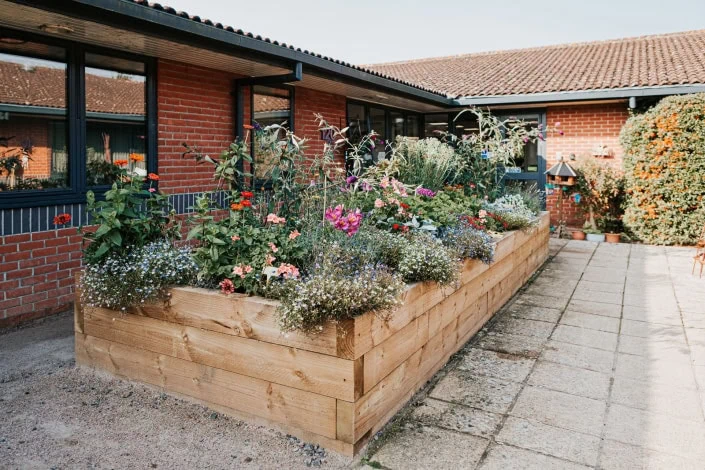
column 470, row 243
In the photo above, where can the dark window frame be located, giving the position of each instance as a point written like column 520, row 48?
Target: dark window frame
column 76, row 123
column 387, row 118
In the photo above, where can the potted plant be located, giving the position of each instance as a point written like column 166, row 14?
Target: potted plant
column 601, row 191
column 578, row 235
column 593, row 234
column 613, row 228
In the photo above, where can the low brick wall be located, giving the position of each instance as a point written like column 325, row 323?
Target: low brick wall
column 336, row 388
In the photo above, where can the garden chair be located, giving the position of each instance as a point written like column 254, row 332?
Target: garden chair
column 699, row 253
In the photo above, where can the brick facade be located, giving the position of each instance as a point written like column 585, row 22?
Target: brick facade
column 38, row 263
column 584, row 127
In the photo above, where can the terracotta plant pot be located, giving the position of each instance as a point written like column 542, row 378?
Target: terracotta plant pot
column 578, row 235
column 612, row 237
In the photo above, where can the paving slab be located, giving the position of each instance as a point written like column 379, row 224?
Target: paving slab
column 519, row 326
column 502, row 457
column 578, row 356
column 557, row 442
column 457, row 417
column 573, row 380
column 532, row 312
column 560, row 409
column 595, row 308
column 585, row 337
column 503, row 366
column 620, row 456
column 657, row 398
column 520, row 345
column 542, row 301
column 603, row 297
column 430, row 447
column 590, row 321
column 478, row 391
column 655, row 370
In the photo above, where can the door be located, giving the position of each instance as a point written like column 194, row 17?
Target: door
column 529, row 169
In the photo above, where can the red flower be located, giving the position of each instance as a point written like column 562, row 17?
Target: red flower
column 246, row 203
column 395, row 226
column 153, row 177
column 404, row 205
column 248, row 127
column 247, row 194
column 62, row 219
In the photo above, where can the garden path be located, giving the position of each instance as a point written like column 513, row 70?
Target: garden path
column 598, row 363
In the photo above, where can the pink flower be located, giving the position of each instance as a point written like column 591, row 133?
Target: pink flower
column 248, row 269
column 288, row 271
column 239, row 271
column 557, row 124
column 275, row 219
column 234, row 238
column 379, row 203
column 394, row 201
column 273, row 247
column 348, row 223
column 269, row 260
column 227, row 286
column 151, row 190
column 294, row 234
column 399, row 187
column 384, row 183
column 482, row 214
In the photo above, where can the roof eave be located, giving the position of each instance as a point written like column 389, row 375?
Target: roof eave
column 582, row 95
column 150, row 21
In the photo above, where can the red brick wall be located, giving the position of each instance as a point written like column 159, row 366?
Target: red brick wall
column 584, row 127
column 195, row 106
column 37, row 274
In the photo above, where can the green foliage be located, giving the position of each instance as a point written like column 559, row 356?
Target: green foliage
column 428, row 163
column 130, row 217
column 664, row 165
column 445, row 208
column 425, row 258
column 100, row 172
column 601, row 189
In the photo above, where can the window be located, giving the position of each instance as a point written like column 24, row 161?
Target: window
column 387, row 123
column 116, row 124
column 435, row 125
column 270, row 106
column 70, row 117
column 397, row 125
column 33, row 117
column 412, row 125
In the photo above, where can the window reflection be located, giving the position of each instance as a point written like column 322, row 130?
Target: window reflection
column 115, row 118
column 435, row 125
column 271, row 106
column 33, row 143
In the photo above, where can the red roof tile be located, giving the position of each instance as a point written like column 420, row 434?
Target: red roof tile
column 667, row 59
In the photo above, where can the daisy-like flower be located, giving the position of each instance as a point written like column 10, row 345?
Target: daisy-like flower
column 269, row 260
column 294, row 234
column 273, row 247
column 379, row 203
column 227, row 286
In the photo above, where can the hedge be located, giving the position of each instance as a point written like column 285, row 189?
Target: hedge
column 664, row 166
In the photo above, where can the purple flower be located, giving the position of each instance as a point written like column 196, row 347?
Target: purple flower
column 348, row 222
column 351, row 179
column 425, row 192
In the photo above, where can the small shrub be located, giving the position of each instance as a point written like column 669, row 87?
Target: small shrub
column 428, row 163
column 143, row 275
column 512, row 212
column 425, row 258
column 470, row 243
column 664, row 165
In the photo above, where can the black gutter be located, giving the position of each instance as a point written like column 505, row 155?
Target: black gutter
column 137, row 18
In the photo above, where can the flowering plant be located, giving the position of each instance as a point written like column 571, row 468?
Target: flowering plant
column 348, row 222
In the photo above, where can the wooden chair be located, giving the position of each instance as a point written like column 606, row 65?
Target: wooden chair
column 699, row 253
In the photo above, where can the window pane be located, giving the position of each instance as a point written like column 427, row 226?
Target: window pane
column 271, row 106
column 357, row 122
column 33, row 143
column 465, row 124
column 377, row 121
column 412, row 125
column 435, row 125
column 397, row 122
column 115, row 119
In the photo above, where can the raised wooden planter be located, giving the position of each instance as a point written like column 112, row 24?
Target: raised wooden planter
column 336, row 388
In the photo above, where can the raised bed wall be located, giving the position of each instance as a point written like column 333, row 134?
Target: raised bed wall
column 336, row 388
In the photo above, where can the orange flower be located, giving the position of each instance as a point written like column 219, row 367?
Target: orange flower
column 136, row 157
column 248, row 127
column 153, row 176
column 62, row 219
column 120, row 162
column 236, row 207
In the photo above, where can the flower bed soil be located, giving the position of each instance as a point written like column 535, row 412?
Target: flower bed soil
column 336, row 388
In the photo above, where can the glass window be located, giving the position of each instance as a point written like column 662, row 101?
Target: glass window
column 271, row 106
column 528, row 162
column 378, row 123
column 397, row 125
column 357, row 122
column 435, row 125
column 465, row 124
column 412, row 125
column 33, row 117
column 116, row 112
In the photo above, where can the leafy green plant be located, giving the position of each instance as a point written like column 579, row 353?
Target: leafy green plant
column 427, row 163
column 601, row 191
column 130, row 216
column 664, row 164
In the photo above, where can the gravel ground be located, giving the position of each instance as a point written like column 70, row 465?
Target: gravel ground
column 54, row 415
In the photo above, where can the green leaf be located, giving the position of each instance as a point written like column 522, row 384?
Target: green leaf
column 116, row 238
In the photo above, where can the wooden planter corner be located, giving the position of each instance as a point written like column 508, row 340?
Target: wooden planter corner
column 336, row 388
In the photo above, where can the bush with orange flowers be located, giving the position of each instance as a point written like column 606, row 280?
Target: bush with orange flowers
column 664, row 165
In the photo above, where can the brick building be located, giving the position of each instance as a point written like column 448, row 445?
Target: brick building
column 87, row 85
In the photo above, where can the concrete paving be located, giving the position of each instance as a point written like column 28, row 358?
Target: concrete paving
column 598, row 363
